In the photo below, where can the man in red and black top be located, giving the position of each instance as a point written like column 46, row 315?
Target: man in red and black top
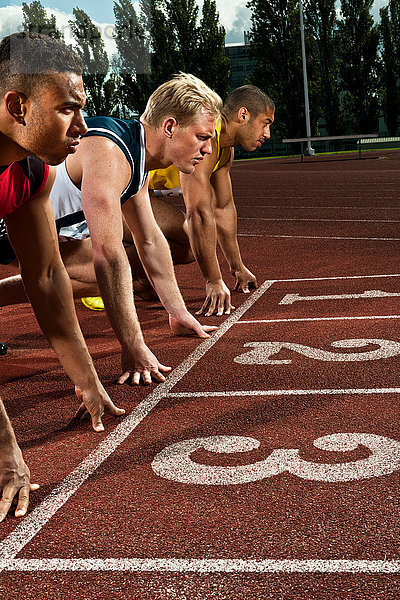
column 41, row 97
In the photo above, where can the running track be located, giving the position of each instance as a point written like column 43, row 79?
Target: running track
column 267, row 465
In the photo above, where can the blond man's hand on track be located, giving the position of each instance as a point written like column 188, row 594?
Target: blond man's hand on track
column 218, row 300
column 189, row 326
column 14, row 481
column 96, row 403
column 141, row 366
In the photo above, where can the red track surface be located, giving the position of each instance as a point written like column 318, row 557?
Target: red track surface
column 319, row 523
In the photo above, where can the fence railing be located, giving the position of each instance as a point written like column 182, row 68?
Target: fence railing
column 328, row 138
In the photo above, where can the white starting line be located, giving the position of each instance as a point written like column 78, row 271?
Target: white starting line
column 212, row 565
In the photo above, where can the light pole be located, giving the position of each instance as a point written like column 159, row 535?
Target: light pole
column 310, row 150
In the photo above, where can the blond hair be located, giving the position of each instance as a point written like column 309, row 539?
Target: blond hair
column 182, row 98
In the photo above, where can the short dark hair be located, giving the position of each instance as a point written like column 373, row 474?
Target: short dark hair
column 255, row 100
column 26, row 56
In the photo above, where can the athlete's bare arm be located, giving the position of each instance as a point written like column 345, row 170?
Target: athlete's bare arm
column 155, row 255
column 105, row 174
column 14, row 473
column 32, row 232
column 226, row 219
column 202, row 231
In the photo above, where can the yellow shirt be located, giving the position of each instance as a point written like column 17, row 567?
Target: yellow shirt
column 167, row 181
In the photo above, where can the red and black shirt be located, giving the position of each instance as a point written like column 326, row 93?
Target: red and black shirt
column 21, row 181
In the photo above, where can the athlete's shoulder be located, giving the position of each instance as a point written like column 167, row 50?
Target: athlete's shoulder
column 21, row 181
column 111, row 124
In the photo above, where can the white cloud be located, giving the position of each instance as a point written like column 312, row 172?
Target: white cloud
column 11, row 18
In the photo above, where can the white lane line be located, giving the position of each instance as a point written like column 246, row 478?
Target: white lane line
column 319, row 220
column 335, row 278
column 305, row 207
column 372, row 317
column 33, row 523
column 323, row 392
column 327, row 237
column 198, row 565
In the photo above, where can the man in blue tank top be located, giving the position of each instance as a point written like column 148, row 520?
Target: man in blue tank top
column 106, row 183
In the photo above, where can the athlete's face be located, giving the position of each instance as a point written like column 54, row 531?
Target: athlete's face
column 54, row 120
column 256, row 131
column 188, row 145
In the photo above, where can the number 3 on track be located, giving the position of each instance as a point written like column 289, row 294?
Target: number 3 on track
column 175, row 462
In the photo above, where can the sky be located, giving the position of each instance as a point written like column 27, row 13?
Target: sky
column 234, row 16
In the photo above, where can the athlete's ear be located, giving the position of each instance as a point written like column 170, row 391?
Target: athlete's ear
column 169, row 127
column 243, row 115
column 16, row 106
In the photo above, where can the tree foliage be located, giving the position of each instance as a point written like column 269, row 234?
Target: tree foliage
column 390, row 77
column 180, row 43
column 276, row 46
column 37, row 21
column 358, row 39
column 132, row 36
column 320, row 16
column 213, row 66
column 99, row 87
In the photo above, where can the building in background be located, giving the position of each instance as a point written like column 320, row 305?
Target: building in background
column 241, row 64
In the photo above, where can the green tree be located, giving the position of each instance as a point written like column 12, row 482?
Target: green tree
column 132, row 37
column 182, row 21
column 276, row 46
column 390, row 46
column 358, row 65
column 99, row 86
column 321, row 19
column 37, row 21
column 213, row 66
column 163, row 61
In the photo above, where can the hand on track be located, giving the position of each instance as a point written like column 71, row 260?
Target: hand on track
column 141, row 365
column 96, row 403
column 218, row 300
column 14, row 481
column 190, row 326
column 244, row 280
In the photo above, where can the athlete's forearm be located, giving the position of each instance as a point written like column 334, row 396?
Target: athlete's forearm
column 7, row 436
column 115, row 283
column 203, row 240
column 226, row 220
column 50, row 294
column 157, row 262
column 12, row 291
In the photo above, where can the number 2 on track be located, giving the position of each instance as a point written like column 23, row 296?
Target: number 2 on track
column 263, row 351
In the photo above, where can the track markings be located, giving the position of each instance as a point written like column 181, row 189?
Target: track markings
column 318, row 220
column 314, row 392
column 291, row 298
column 193, row 565
column 35, row 521
column 327, row 237
column 301, row 319
column 175, row 462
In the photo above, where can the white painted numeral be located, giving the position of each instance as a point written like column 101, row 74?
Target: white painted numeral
column 291, row 298
column 263, row 351
column 175, row 462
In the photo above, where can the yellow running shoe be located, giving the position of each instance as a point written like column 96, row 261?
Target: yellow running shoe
column 93, row 302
